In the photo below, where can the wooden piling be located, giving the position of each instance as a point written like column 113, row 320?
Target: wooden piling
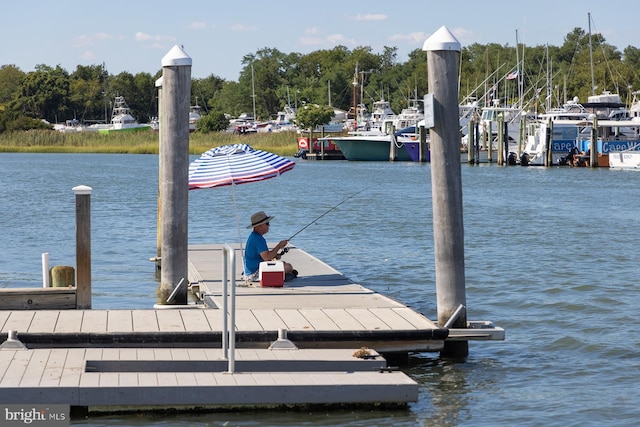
column 174, row 158
column 501, row 136
column 393, row 148
column 443, row 51
column 424, row 148
column 593, row 145
column 548, row 142
column 83, row 246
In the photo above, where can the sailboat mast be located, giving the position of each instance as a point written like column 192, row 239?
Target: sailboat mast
column 253, row 93
column 593, row 82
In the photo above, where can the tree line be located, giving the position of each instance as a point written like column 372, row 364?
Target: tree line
column 547, row 75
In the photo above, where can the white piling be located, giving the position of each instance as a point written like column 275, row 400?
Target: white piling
column 174, row 161
column 45, row 270
column 443, row 51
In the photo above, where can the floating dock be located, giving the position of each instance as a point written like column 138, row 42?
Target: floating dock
column 336, row 333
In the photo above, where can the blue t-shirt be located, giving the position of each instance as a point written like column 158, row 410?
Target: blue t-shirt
column 256, row 244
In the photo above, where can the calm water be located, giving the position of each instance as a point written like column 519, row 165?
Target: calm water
column 551, row 256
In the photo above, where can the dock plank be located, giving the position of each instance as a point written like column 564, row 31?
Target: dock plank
column 392, row 318
column 19, row 321
column 368, row 319
column 170, row 320
column 55, row 365
column 145, row 321
column 195, row 320
column 246, row 321
column 269, row 320
column 294, row 320
column 73, row 367
column 17, row 368
column 119, row 321
column 4, row 315
column 344, row 320
column 94, row 321
column 35, row 369
column 69, row 321
column 44, row 321
column 319, row 319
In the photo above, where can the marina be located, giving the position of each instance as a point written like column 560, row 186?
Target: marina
column 520, row 276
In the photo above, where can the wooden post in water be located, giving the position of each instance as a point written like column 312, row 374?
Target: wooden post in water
column 393, row 148
column 424, row 149
column 174, row 166
column 83, row 246
column 593, row 146
column 471, row 140
column 443, row 51
column 500, row 139
column 489, row 146
column 548, row 141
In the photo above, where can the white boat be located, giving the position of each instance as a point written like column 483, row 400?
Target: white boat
column 382, row 113
column 121, row 120
column 194, row 116
column 409, row 116
column 627, row 159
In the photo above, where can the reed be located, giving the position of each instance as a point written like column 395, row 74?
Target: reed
column 44, row 141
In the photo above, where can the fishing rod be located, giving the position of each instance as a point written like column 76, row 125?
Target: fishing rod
column 285, row 250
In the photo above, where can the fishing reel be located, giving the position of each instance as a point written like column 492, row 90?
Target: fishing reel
column 282, row 252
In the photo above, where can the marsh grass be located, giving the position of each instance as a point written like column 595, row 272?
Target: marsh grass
column 43, row 141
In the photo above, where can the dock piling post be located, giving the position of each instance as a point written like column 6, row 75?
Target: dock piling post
column 443, row 50
column 174, row 167
column 45, row 270
column 83, row 246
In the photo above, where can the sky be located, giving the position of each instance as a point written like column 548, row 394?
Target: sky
column 134, row 36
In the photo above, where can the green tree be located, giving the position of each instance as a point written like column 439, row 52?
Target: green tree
column 311, row 116
column 10, row 80
column 215, row 121
column 44, row 93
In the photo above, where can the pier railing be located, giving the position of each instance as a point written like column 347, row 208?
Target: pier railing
column 229, row 334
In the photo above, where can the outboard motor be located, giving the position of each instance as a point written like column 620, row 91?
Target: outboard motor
column 512, row 159
column 524, row 159
column 301, row 153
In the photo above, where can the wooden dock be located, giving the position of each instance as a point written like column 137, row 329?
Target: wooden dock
column 134, row 379
column 173, row 357
column 321, row 308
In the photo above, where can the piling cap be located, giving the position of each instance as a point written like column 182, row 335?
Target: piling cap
column 82, row 190
column 176, row 57
column 442, row 39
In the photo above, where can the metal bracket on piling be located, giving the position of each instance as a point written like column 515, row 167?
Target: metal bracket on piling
column 175, row 291
column 454, row 316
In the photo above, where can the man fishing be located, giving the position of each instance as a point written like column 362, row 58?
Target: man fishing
column 257, row 251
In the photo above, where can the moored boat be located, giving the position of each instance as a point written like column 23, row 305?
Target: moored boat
column 121, row 120
column 370, row 146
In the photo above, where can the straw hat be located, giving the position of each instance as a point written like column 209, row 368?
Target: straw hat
column 259, row 218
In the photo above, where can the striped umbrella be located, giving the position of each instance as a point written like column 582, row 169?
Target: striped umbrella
column 235, row 164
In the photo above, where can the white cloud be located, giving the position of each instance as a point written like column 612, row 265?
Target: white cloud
column 370, row 17
column 87, row 40
column 416, row 38
column 144, row 37
column 198, row 25
column 242, row 28
column 87, row 55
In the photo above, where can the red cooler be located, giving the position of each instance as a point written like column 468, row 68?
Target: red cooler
column 272, row 274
